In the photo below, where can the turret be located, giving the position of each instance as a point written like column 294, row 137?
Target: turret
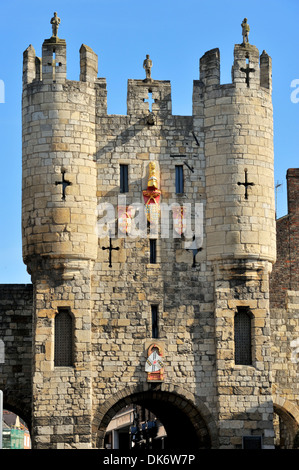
column 238, row 126
column 240, row 226
column 59, row 145
column 60, row 242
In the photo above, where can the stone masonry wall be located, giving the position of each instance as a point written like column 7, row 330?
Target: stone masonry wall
column 16, row 304
column 284, row 301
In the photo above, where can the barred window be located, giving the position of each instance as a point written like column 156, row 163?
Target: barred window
column 2, row 352
column 243, row 336
column 63, row 350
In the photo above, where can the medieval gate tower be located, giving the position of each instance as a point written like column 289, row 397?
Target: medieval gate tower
column 103, row 301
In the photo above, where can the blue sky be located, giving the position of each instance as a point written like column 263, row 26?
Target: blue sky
column 175, row 34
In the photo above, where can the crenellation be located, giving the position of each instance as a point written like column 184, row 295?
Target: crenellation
column 210, row 68
column 88, row 64
column 29, row 65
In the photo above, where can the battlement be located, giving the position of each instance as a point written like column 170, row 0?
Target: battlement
column 249, row 70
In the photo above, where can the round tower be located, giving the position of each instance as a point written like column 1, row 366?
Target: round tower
column 240, row 232
column 59, row 169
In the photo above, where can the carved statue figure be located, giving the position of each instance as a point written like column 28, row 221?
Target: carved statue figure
column 147, row 65
column 152, row 178
column 55, row 21
column 245, row 30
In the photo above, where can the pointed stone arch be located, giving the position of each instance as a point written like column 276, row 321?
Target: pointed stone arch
column 167, row 402
column 19, row 408
column 288, row 413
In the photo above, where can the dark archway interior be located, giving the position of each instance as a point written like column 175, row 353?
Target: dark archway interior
column 180, row 431
column 184, row 425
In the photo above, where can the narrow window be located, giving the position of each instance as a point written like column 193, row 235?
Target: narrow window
column 155, row 331
column 63, row 350
column 179, row 179
column 124, row 179
column 243, row 336
column 153, row 251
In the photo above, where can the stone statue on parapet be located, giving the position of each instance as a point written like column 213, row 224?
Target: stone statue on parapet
column 55, row 21
column 147, row 65
column 245, row 31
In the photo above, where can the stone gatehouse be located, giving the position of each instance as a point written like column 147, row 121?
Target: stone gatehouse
column 150, row 239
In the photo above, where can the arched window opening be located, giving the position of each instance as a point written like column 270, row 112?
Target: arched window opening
column 243, row 355
column 63, row 351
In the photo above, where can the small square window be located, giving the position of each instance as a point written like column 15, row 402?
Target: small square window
column 252, row 442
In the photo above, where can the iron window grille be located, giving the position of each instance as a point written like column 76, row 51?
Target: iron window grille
column 63, row 350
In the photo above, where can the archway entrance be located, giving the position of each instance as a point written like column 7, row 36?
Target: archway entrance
column 285, row 427
column 15, row 432
column 186, row 426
